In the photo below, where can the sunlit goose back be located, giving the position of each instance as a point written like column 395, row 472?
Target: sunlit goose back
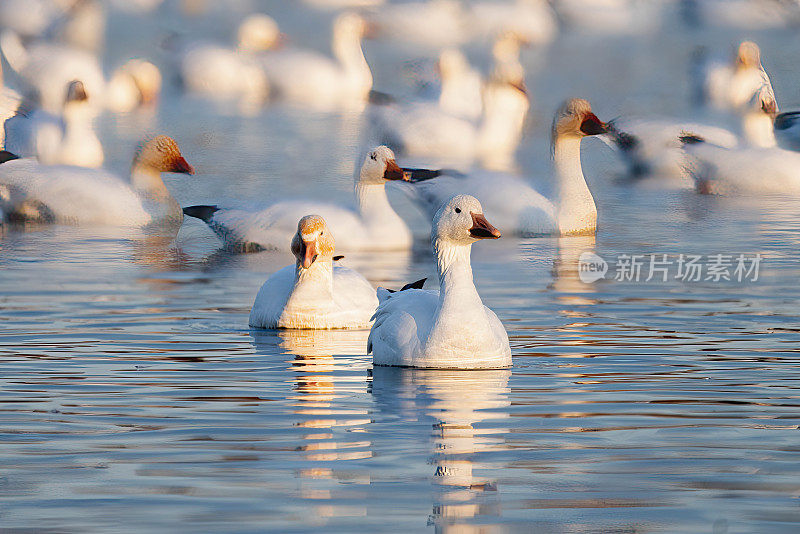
column 371, row 225
column 65, row 139
column 449, row 328
column 424, row 26
column 49, row 68
column 232, row 75
column 314, row 293
column 462, row 85
column 137, row 83
column 517, row 206
column 307, row 78
column 532, row 20
column 77, row 195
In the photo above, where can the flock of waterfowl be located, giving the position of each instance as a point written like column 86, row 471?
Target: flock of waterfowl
column 51, row 170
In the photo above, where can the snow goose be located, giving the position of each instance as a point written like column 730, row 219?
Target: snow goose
column 64, row 193
column 307, row 78
column 786, row 129
column 462, row 86
column 372, row 225
column 48, row 69
column 730, row 85
column 315, row 293
column 532, row 20
column 651, row 148
column 449, row 328
column 232, row 75
column 424, row 26
column 423, row 129
column 137, row 83
column 755, row 166
column 518, row 207
column 68, row 139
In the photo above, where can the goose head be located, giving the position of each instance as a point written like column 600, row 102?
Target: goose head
column 161, row 154
column 351, row 25
column 312, row 242
column 748, row 56
column 460, row 221
column 259, row 32
column 451, row 64
column 379, row 166
column 575, row 119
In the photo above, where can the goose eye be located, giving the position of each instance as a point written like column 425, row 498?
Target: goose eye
column 373, row 156
column 458, row 210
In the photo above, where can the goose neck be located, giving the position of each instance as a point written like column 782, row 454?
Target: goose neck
column 346, row 47
column 758, row 130
column 457, row 289
column 314, row 284
column 577, row 212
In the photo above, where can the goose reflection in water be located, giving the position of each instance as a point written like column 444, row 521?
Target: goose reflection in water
column 323, row 371
column 458, row 401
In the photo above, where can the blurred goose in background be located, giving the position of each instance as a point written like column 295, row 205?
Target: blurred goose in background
column 730, row 85
column 48, row 68
column 342, row 4
column 28, row 18
column 424, row 26
column 757, row 165
column 137, row 83
column 65, row 139
column 651, row 148
column 314, row 293
column 77, row 195
column 462, row 86
column 425, row 130
column 10, row 103
column 533, row 21
column 371, row 225
column 308, row 78
column 611, row 18
column 521, row 209
column 232, row 75
column 449, row 328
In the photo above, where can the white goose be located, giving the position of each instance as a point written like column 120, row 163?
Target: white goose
column 372, row 225
column 64, row 193
column 424, row 130
column 462, row 86
column 651, row 148
column 232, row 75
column 758, row 165
column 424, row 26
column 730, row 85
column 315, row 293
column 532, row 20
column 308, row 78
column 49, row 68
column 68, row 139
column 449, row 328
column 517, row 206
column 137, row 83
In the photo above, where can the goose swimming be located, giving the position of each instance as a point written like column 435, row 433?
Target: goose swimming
column 316, row 293
column 518, row 207
column 449, row 328
column 79, row 195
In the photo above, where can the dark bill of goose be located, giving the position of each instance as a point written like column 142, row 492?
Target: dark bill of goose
column 591, row 125
column 420, row 175
column 481, row 228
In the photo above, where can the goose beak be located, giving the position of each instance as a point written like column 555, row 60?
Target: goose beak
column 419, row 175
column 309, row 253
column 591, row 125
column 393, row 171
column 181, row 166
column 481, row 228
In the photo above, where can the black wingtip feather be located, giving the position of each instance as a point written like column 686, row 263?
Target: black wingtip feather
column 204, row 213
column 5, row 155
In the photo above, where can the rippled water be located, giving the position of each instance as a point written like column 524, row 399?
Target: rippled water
column 133, row 396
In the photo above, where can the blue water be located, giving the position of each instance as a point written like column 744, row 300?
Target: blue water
column 134, row 397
